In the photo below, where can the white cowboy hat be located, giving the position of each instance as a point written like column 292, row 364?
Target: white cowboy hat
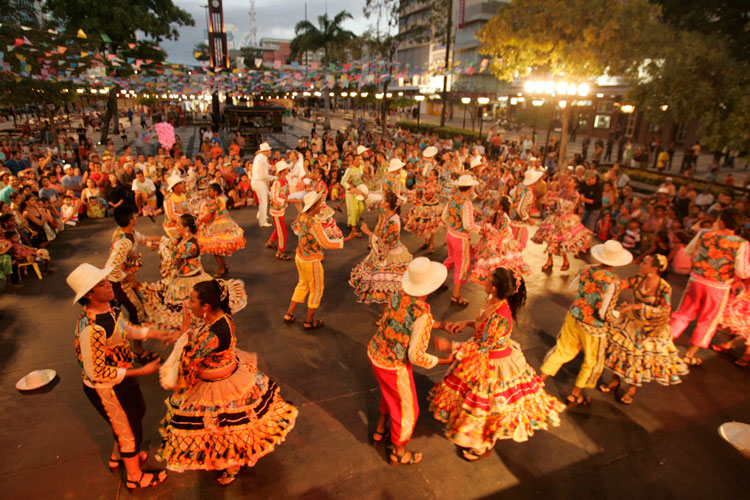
column 310, row 199
column 362, row 149
column 264, row 147
column 364, row 191
column 281, row 165
column 85, row 277
column 662, row 190
column 531, row 176
column 430, row 151
column 423, row 277
column 465, row 180
column 738, row 435
column 173, row 180
column 36, row 379
column 612, row 253
column 67, row 166
column 395, row 164
column 475, row 161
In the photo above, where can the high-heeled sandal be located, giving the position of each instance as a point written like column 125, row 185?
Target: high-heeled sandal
column 547, row 267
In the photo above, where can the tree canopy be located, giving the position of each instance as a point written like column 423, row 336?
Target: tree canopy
column 327, row 35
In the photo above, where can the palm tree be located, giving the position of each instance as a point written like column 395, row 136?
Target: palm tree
column 327, row 36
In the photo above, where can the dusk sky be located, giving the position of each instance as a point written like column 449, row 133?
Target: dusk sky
column 274, row 18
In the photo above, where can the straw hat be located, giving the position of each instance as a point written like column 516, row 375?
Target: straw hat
column 264, row 147
column 5, row 245
column 612, row 253
column 423, row 277
column 67, row 166
column 362, row 149
column 310, row 199
column 364, row 191
column 36, row 379
column 85, row 277
column 662, row 190
column 532, row 176
column 465, row 180
column 738, row 435
column 430, row 151
column 395, row 164
column 475, row 161
column 173, row 180
column 281, row 165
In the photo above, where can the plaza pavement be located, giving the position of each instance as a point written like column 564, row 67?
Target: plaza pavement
column 55, row 445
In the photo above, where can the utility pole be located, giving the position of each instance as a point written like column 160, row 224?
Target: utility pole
column 444, row 97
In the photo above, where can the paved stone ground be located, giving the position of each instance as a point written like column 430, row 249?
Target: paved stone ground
column 55, row 445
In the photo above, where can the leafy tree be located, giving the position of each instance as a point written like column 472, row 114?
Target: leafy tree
column 326, row 36
column 201, row 52
column 120, row 20
column 573, row 39
column 249, row 55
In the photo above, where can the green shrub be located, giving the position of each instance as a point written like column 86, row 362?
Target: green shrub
column 442, row 132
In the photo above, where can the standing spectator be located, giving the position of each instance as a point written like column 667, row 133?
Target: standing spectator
column 591, row 194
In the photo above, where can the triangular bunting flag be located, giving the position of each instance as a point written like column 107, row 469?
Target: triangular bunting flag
column 81, row 34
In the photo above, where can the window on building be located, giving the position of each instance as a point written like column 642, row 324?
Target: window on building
column 603, row 121
column 605, row 106
column 630, row 125
column 582, row 121
column 680, row 133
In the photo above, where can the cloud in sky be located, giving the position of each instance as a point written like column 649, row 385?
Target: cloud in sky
column 274, row 19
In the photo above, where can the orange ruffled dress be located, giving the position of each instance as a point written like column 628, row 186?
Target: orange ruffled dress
column 490, row 391
column 218, row 233
column 228, row 422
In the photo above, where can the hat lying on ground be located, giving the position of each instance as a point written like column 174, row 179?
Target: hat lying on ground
column 738, row 435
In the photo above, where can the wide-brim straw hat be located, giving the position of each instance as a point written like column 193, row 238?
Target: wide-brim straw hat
column 423, row 277
column 173, row 180
column 85, row 277
column 532, row 176
column 465, row 180
column 430, row 151
column 612, row 253
column 738, row 435
column 363, row 190
column 5, row 245
column 362, row 149
column 475, row 161
column 264, row 146
column 395, row 164
column 281, row 165
column 310, row 200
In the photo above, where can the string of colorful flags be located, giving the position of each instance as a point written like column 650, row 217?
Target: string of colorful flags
column 96, row 68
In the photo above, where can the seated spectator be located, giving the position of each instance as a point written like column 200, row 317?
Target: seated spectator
column 632, row 237
column 145, row 194
column 70, row 180
column 604, row 226
column 69, row 211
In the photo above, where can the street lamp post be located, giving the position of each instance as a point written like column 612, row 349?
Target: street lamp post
column 482, row 101
column 419, row 98
column 465, row 101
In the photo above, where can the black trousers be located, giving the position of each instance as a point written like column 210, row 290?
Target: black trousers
column 123, row 407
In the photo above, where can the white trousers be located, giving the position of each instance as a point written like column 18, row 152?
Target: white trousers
column 261, row 191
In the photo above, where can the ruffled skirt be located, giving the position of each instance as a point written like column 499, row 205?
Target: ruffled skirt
column 736, row 317
column 639, row 359
column 225, row 423
column 482, row 400
column 374, row 280
column 486, row 261
column 423, row 220
column 563, row 234
column 221, row 237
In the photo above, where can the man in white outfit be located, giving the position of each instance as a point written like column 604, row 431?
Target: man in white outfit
column 260, row 179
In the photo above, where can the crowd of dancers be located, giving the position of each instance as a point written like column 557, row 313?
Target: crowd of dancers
column 223, row 413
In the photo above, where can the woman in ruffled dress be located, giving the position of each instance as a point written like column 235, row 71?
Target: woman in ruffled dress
column 736, row 319
column 497, row 247
column 490, row 392
column 219, row 235
column 379, row 276
column 224, row 413
column 424, row 218
column 640, row 347
column 562, row 230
